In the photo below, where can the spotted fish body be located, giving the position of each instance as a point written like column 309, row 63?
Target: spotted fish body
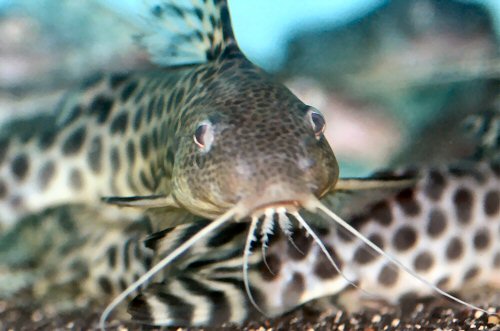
column 445, row 228
column 139, row 135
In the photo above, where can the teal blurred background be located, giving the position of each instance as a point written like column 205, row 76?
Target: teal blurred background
column 394, row 78
column 263, row 27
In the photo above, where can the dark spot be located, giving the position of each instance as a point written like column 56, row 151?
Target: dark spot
column 112, row 252
column 101, row 108
column 178, row 96
column 94, row 156
column 92, row 81
column 323, row 267
column 435, row 185
column 180, row 311
column 272, row 269
column 388, row 276
column 145, row 181
column 155, row 238
column 119, row 123
column 123, row 284
column 170, row 104
column 492, row 203
column 4, row 146
column 160, row 106
column 455, row 249
column 227, row 234
column 471, row 274
column 131, row 152
column 117, row 80
column 356, row 222
column 364, row 254
column 220, row 311
column 74, row 142
column 495, row 167
column 155, row 138
column 406, row 199
column 437, row 223
column 126, row 254
column 463, row 200
column 46, row 174
column 482, row 239
column 381, row 212
column 20, row 166
column 74, row 114
column 404, row 238
column 443, row 283
column 105, row 285
column 75, row 179
column 47, row 139
column 138, row 118
column 199, row 13
column 3, row 190
column 128, row 90
column 294, row 289
column 144, row 146
column 461, row 172
column 423, row 262
column 115, row 159
column 150, row 110
column 139, row 309
column 302, row 245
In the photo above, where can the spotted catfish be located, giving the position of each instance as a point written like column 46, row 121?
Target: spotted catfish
column 205, row 131
column 217, row 139
column 444, row 228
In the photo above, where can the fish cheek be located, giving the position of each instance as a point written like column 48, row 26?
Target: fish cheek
column 327, row 170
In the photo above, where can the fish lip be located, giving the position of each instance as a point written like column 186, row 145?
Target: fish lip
column 288, row 205
column 257, row 205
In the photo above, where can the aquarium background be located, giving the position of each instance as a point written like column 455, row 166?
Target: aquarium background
column 393, row 88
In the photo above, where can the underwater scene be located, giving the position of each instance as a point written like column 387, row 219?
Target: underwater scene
column 249, row 165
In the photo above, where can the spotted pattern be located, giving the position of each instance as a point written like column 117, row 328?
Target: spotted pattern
column 404, row 238
column 454, row 249
column 492, row 203
column 116, row 128
column 437, row 223
column 463, row 200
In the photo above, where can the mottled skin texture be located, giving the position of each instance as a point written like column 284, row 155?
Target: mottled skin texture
column 131, row 134
column 137, row 134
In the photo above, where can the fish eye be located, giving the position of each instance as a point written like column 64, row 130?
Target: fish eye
column 204, row 136
column 317, row 121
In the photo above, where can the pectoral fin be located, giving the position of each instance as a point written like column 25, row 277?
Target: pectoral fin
column 146, row 202
column 351, row 196
column 374, row 183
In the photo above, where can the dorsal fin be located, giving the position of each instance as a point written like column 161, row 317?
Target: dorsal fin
column 180, row 32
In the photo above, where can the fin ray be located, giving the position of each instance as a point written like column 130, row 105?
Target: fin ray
column 179, row 32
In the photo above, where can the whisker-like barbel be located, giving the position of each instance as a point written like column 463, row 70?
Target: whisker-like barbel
column 217, row 139
column 246, row 254
column 390, row 258
column 164, row 262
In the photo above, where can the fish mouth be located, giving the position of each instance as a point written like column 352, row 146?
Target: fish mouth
column 289, row 205
column 259, row 205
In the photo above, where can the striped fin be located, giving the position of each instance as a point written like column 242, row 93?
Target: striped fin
column 180, row 32
column 193, row 301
